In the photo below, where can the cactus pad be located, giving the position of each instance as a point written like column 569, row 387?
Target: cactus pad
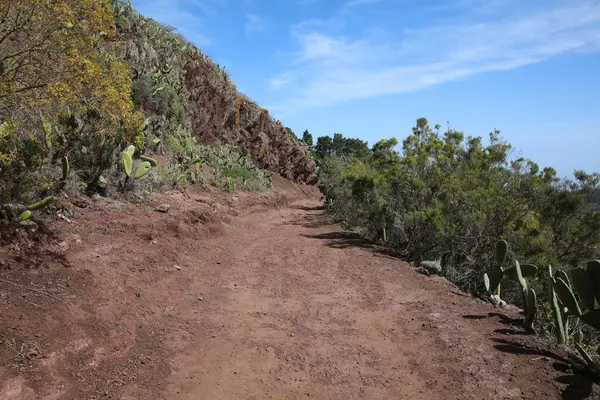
column 563, row 275
column 142, row 170
column 65, row 168
column 527, row 270
column 593, row 270
column 591, row 318
column 501, row 251
column 127, row 163
column 561, row 330
column 566, row 297
column 40, row 204
column 583, row 284
column 520, row 276
column 531, row 305
column 495, row 277
column 25, row 215
column 152, row 161
column 578, row 337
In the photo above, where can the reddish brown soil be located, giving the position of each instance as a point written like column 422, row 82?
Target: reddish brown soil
column 245, row 297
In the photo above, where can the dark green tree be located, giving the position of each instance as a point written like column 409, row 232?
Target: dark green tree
column 307, row 138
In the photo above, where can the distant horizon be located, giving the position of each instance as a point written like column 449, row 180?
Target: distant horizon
column 529, row 70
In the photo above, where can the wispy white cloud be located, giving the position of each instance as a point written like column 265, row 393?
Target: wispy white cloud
column 329, row 68
column 278, row 82
column 254, row 23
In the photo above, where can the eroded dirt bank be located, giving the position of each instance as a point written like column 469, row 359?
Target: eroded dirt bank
column 247, row 297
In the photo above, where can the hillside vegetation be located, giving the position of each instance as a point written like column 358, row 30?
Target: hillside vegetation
column 97, row 99
column 84, row 81
column 446, row 201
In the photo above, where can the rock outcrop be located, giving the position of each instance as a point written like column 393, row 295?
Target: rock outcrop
column 180, row 87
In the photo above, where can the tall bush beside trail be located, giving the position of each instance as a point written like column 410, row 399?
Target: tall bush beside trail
column 451, row 197
column 62, row 89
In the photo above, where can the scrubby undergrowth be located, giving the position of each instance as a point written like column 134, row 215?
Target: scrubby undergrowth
column 84, row 83
column 444, row 201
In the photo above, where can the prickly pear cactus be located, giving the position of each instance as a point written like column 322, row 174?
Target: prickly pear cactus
column 520, row 277
column 496, row 273
column 152, row 161
column 527, row 271
column 40, row 204
column 25, row 215
column 566, row 297
column 593, row 270
column 127, row 163
column 531, row 305
column 591, row 318
column 142, row 170
column 584, row 286
column 65, row 168
column 561, row 329
column 501, row 252
column 563, row 275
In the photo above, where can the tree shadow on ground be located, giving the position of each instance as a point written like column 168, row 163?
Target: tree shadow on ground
column 579, row 386
column 579, row 381
column 513, row 332
column 345, row 239
column 342, row 240
column 313, row 221
column 504, row 319
column 306, row 208
column 339, row 239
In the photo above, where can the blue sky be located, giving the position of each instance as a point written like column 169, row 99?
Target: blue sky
column 370, row 68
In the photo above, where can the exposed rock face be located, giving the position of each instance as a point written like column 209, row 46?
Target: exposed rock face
column 219, row 114
column 176, row 84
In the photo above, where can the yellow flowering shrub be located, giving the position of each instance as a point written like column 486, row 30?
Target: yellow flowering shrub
column 57, row 57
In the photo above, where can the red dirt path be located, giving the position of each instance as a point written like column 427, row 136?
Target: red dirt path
column 247, row 298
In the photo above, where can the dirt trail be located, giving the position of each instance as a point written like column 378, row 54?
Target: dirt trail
column 279, row 304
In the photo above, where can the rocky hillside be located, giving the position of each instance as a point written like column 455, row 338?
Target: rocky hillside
column 179, row 87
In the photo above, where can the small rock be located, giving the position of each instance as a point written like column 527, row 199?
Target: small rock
column 33, row 353
column 163, row 208
column 433, row 267
column 214, row 336
column 177, row 267
column 292, row 335
column 28, row 224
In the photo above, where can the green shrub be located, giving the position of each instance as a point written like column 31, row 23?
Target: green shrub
column 230, row 169
column 451, row 194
